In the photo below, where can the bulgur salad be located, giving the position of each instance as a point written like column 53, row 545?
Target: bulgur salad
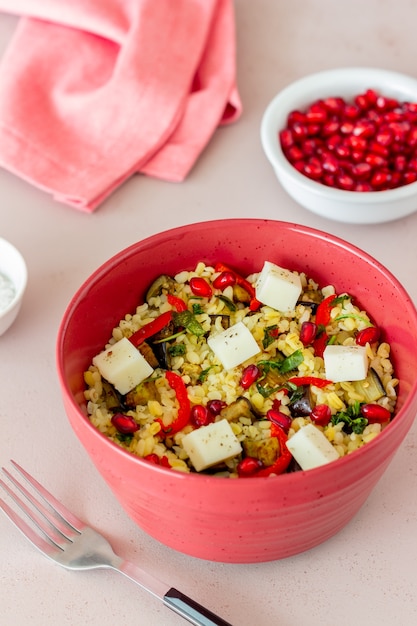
column 242, row 376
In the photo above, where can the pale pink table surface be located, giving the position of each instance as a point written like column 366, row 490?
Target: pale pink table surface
column 366, row 574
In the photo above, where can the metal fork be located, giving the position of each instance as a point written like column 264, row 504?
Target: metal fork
column 64, row 538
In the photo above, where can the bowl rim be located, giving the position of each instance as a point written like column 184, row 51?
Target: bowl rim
column 18, row 260
column 276, row 157
column 147, row 242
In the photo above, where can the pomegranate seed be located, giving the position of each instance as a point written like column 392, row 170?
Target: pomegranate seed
column 347, row 127
column 313, row 169
column 310, row 147
column 330, row 128
column 329, row 180
column 223, row 280
column 330, row 163
column 295, row 154
column 335, row 105
column 363, row 186
column 412, row 164
column 321, row 415
column 412, row 137
column 250, row 375
column 400, row 163
column 375, row 160
column 361, row 170
column 382, row 103
column 409, row 177
column 299, row 130
column 367, row 335
column 216, row 406
column 286, row 138
column 280, row 419
column 124, row 424
column 248, row 466
column 351, row 112
column 200, row 287
column 296, row 116
column 299, row 165
column 364, row 128
column 152, row 458
column 345, row 182
column 308, row 332
column 377, row 148
column 357, row 143
column 200, row 415
column 375, row 413
column 334, row 141
column 342, row 151
column 361, row 101
column 381, row 179
column 384, row 137
column 316, row 114
column 357, row 156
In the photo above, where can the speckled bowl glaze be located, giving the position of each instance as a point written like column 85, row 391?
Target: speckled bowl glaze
column 253, row 519
column 336, row 204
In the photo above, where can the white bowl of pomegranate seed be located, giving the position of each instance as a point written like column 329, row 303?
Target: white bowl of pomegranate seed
column 343, row 143
column 13, row 279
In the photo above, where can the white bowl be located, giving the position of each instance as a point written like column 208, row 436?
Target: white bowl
column 13, row 279
column 356, row 207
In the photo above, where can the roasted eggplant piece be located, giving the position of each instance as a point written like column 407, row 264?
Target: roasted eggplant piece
column 112, row 397
column 225, row 320
column 239, row 408
column 147, row 352
column 159, row 284
column 265, row 450
column 371, row 388
column 301, row 404
column 142, row 393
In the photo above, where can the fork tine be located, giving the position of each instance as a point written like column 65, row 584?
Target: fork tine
column 51, row 532
column 32, row 535
column 69, row 517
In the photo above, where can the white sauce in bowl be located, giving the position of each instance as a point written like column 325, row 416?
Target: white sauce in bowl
column 7, row 291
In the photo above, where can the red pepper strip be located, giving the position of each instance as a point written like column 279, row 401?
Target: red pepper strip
column 323, row 311
column 242, row 282
column 320, row 344
column 285, row 455
column 184, row 410
column 309, row 380
column 178, row 303
column 151, row 328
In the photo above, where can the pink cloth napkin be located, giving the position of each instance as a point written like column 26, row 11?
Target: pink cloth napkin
column 93, row 91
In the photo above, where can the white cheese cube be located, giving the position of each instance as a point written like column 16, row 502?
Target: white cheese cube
column 123, row 366
column 234, row 345
column 277, row 287
column 311, row 448
column 345, row 363
column 209, row 445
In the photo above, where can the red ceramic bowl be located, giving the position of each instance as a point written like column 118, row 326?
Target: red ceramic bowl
column 243, row 520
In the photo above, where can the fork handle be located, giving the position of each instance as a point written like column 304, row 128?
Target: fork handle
column 191, row 610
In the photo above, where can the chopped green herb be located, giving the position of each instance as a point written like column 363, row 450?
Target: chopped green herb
column 353, row 422
column 204, row 374
column 288, row 364
column 197, row 308
column 228, row 302
column 189, row 321
column 270, row 334
column 354, row 317
column 177, row 350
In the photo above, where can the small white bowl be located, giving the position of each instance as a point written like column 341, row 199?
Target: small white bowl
column 13, row 280
column 356, row 207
